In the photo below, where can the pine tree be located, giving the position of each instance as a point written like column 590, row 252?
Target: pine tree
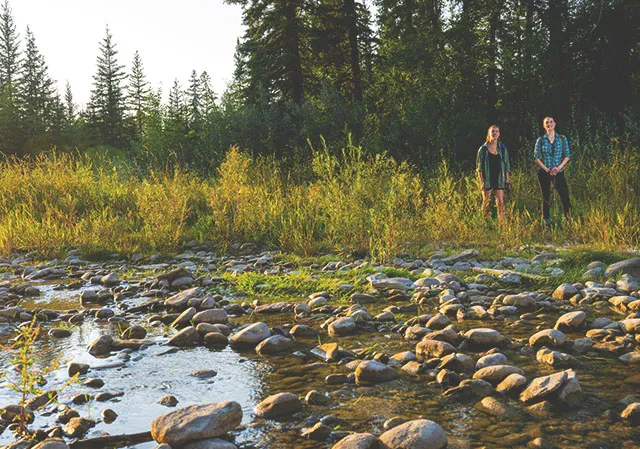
column 9, row 46
column 107, row 104
column 138, row 94
column 34, row 91
column 69, row 105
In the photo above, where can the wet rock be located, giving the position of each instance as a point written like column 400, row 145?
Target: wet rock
column 540, row 443
column 185, row 318
column 493, row 407
column 372, row 371
column 570, row 394
column 204, row 374
column 74, row 368
column 627, row 284
column 278, row 405
column 108, row 415
column 512, row 384
column 571, row 321
column 110, row 279
column 135, row 332
column 631, row 414
column 521, row 300
column 416, row 434
column 331, row 352
column 357, row 441
column 314, row 397
column 547, row 337
column 438, row 321
column 180, row 300
column 434, row 348
column 495, row 374
column 542, row 387
column 101, row 346
column 251, row 335
column 168, row 401
column 630, row 326
column 93, row 382
column 556, row 359
column 631, row 358
column 215, row 339
column 274, row 345
column 77, row 427
column 196, row 422
column 319, row 432
column 185, row 337
column 458, row 362
column 393, row 422
column 53, row 443
column 59, row 333
column 342, row 326
column 211, row 316
column 66, row 414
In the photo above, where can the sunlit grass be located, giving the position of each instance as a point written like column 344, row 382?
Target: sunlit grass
column 352, row 204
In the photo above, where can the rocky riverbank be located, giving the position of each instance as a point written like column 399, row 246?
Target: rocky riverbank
column 451, row 351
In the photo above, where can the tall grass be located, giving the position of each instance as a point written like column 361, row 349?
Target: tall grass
column 351, row 202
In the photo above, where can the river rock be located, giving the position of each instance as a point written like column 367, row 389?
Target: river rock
column 521, row 300
column 373, row 371
column 357, row 441
column 342, row 326
column 185, row 337
column 627, row 284
column 491, row 360
column 630, row 358
column 512, row 384
column 101, row 346
column 497, row 373
column 556, row 359
column 196, row 422
column 135, row 332
column 484, row 337
column 251, row 335
column 278, row 405
column 59, row 333
column 631, row 414
column 438, row 321
column 541, row 387
column 434, row 348
column 319, row 432
column 565, row 291
column 571, row 321
column 570, row 394
column 184, row 318
column 416, row 434
column 74, row 368
column 493, row 407
column 630, row 326
column 180, row 300
column 629, row 266
column 547, row 337
column 211, row 316
column 331, row 352
column 51, row 443
column 458, row 362
column 274, row 345
column 300, row 331
column 363, row 298
column 77, row 427
column 215, row 339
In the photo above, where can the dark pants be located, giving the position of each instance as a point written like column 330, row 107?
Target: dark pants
column 560, row 183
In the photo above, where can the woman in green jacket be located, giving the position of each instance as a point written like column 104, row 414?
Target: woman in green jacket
column 493, row 171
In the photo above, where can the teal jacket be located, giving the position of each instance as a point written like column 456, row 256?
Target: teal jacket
column 482, row 163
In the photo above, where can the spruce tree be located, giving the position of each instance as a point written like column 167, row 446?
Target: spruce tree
column 69, row 105
column 138, row 93
column 9, row 46
column 34, row 91
column 107, row 104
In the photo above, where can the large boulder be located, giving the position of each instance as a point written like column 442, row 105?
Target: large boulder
column 542, row 387
column 196, row 422
column 629, row 266
column 416, row 434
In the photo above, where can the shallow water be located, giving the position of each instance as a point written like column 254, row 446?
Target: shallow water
column 248, row 378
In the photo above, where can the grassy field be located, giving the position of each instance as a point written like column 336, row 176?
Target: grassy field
column 349, row 203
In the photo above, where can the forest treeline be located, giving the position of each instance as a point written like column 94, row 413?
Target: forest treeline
column 419, row 80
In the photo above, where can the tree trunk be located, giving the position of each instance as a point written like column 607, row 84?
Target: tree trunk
column 351, row 19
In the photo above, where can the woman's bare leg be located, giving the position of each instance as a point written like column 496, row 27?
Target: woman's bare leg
column 486, row 203
column 500, row 205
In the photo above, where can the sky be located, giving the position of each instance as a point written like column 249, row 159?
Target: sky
column 173, row 38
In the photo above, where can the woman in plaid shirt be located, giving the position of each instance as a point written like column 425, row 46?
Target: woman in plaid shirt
column 551, row 155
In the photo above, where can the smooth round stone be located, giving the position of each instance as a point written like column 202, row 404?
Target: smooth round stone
column 497, row 373
column 416, row 434
column 278, row 405
column 571, row 321
column 491, row 360
column 484, row 337
column 547, row 337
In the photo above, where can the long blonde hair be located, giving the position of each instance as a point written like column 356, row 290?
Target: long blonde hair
column 489, row 133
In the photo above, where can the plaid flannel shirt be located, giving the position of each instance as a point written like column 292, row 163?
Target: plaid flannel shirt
column 552, row 154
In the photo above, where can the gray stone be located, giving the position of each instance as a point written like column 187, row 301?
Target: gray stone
column 497, row 408
column 342, row 326
column 211, row 443
column 274, row 345
column 211, row 316
column 631, row 414
column 629, row 266
column 53, row 443
column 497, row 373
column 278, row 405
column 373, row 371
column 513, row 383
column 541, row 387
column 101, row 346
column 357, row 441
column 571, row 321
column 196, row 422
column 185, row 337
column 251, row 335
column 416, row 434
column 300, row 331
column 491, row 360
column 484, row 337
column 547, row 337
column 434, row 348
column 565, row 291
